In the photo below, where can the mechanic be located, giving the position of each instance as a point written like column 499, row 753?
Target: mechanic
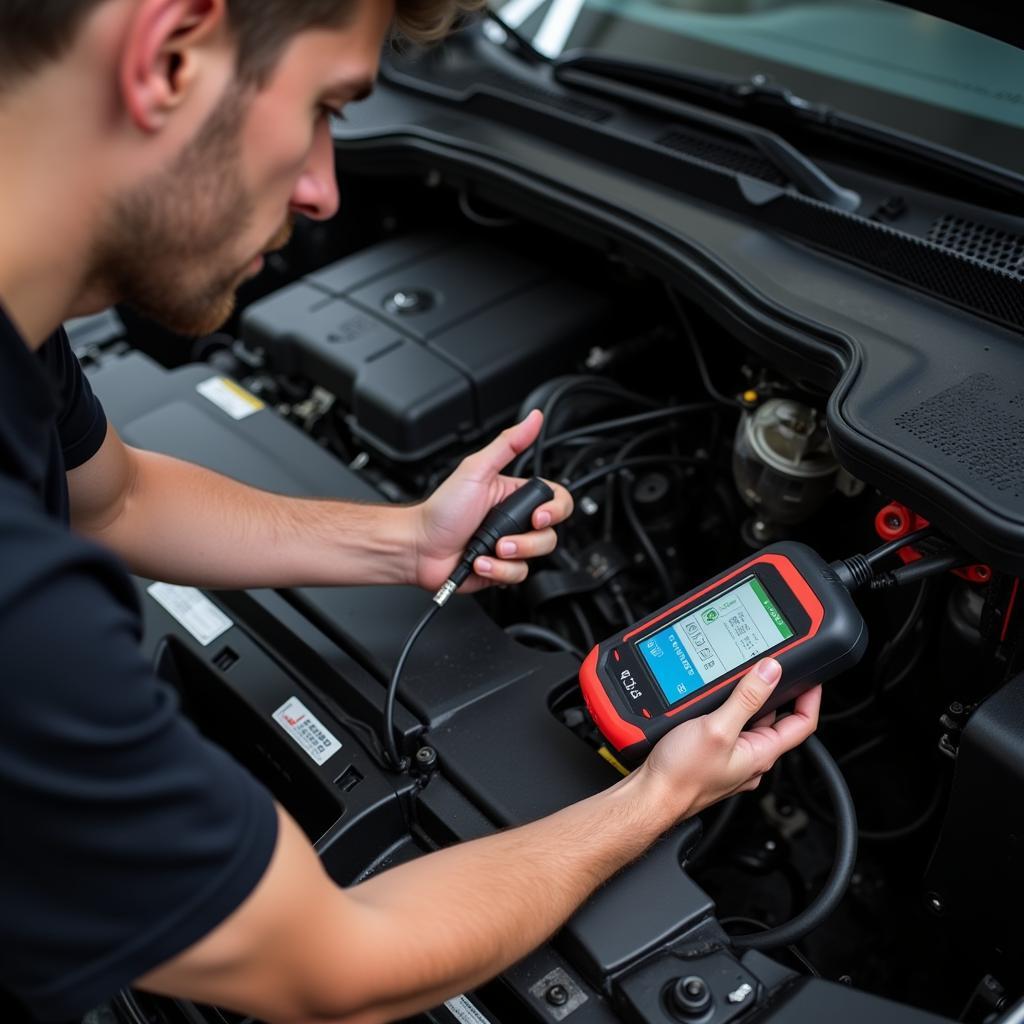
column 152, row 151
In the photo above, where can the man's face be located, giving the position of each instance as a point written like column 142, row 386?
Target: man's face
column 178, row 246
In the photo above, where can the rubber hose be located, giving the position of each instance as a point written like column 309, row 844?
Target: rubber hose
column 842, row 865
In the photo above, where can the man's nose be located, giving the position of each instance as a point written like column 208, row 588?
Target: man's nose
column 316, row 191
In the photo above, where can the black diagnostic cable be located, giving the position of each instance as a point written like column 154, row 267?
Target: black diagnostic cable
column 512, row 516
column 921, row 569
column 915, row 537
column 842, row 865
column 862, row 570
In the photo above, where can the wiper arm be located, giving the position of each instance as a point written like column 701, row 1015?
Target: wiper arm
column 602, row 76
column 761, row 93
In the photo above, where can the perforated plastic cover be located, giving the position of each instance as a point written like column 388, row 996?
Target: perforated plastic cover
column 982, row 242
column 979, row 425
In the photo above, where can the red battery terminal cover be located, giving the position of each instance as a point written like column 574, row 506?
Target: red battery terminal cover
column 895, row 520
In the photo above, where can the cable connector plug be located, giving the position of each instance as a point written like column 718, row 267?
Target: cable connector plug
column 853, row 572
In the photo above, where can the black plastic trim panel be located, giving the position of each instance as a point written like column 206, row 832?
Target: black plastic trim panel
column 887, row 353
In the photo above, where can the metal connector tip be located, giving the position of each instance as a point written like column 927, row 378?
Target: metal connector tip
column 447, row 589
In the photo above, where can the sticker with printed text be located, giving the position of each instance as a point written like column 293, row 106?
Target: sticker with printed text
column 193, row 609
column 307, row 730
column 465, row 1012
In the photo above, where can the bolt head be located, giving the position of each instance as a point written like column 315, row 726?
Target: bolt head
column 557, row 995
column 426, row 757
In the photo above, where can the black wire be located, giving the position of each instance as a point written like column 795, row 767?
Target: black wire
column 702, row 366
column 595, row 385
column 653, row 557
column 586, row 451
column 530, row 631
column 619, row 484
column 794, row 951
column 892, row 835
column 628, row 615
column 843, row 860
column 640, row 460
column 587, row 634
column 883, row 552
column 396, row 760
column 880, row 686
column 613, row 482
column 608, row 426
column 710, row 838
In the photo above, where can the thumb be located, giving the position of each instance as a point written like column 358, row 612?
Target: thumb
column 751, row 694
column 509, row 444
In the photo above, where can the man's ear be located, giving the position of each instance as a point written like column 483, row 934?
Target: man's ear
column 167, row 45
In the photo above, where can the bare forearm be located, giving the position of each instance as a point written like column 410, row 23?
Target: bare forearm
column 492, row 901
column 185, row 524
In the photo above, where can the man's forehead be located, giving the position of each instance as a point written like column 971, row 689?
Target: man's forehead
column 344, row 59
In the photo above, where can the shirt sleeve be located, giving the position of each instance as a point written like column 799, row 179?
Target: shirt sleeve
column 81, row 421
column 125, row 836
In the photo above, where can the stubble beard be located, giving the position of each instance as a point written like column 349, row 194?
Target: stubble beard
column 164, row 249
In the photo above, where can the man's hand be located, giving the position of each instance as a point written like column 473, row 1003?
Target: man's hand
column 715, row 756
column 450, row 517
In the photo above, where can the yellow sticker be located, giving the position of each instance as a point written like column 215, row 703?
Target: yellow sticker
column 230, row 397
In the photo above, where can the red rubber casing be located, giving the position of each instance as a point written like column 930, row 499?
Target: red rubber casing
column 631, row 710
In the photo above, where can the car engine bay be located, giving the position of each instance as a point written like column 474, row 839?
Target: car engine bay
column 375, row 354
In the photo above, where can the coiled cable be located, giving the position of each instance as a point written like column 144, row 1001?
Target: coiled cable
column 841, row 872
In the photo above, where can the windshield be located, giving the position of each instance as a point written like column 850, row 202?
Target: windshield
column 879, row 61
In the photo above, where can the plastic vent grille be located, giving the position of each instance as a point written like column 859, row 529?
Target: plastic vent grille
column 740, row 159
column 979, row 426
column 979, row 241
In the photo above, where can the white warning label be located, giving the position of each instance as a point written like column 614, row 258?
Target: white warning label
column 465, row 1012
column 193, row 609
column 307, row 730
column 232, row 398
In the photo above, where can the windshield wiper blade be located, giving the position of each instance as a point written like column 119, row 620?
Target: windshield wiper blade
column 801, row 170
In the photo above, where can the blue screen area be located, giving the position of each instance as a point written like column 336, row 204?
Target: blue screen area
column 714, row 639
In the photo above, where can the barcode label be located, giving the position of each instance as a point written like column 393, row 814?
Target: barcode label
column 465, row 1012
column 307, row 730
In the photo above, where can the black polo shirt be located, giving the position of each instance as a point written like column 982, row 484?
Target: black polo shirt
column 124, row 835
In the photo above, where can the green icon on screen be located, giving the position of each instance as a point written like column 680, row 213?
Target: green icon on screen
column 709, row 616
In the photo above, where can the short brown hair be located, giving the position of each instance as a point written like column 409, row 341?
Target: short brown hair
column 33, row 32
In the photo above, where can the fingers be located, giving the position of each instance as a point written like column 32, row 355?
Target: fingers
column 528, row 545
column 791, row 730
column 509, row 444
column 496, row 570
column 556, row 511
column 766, row 743
column 750, row 695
